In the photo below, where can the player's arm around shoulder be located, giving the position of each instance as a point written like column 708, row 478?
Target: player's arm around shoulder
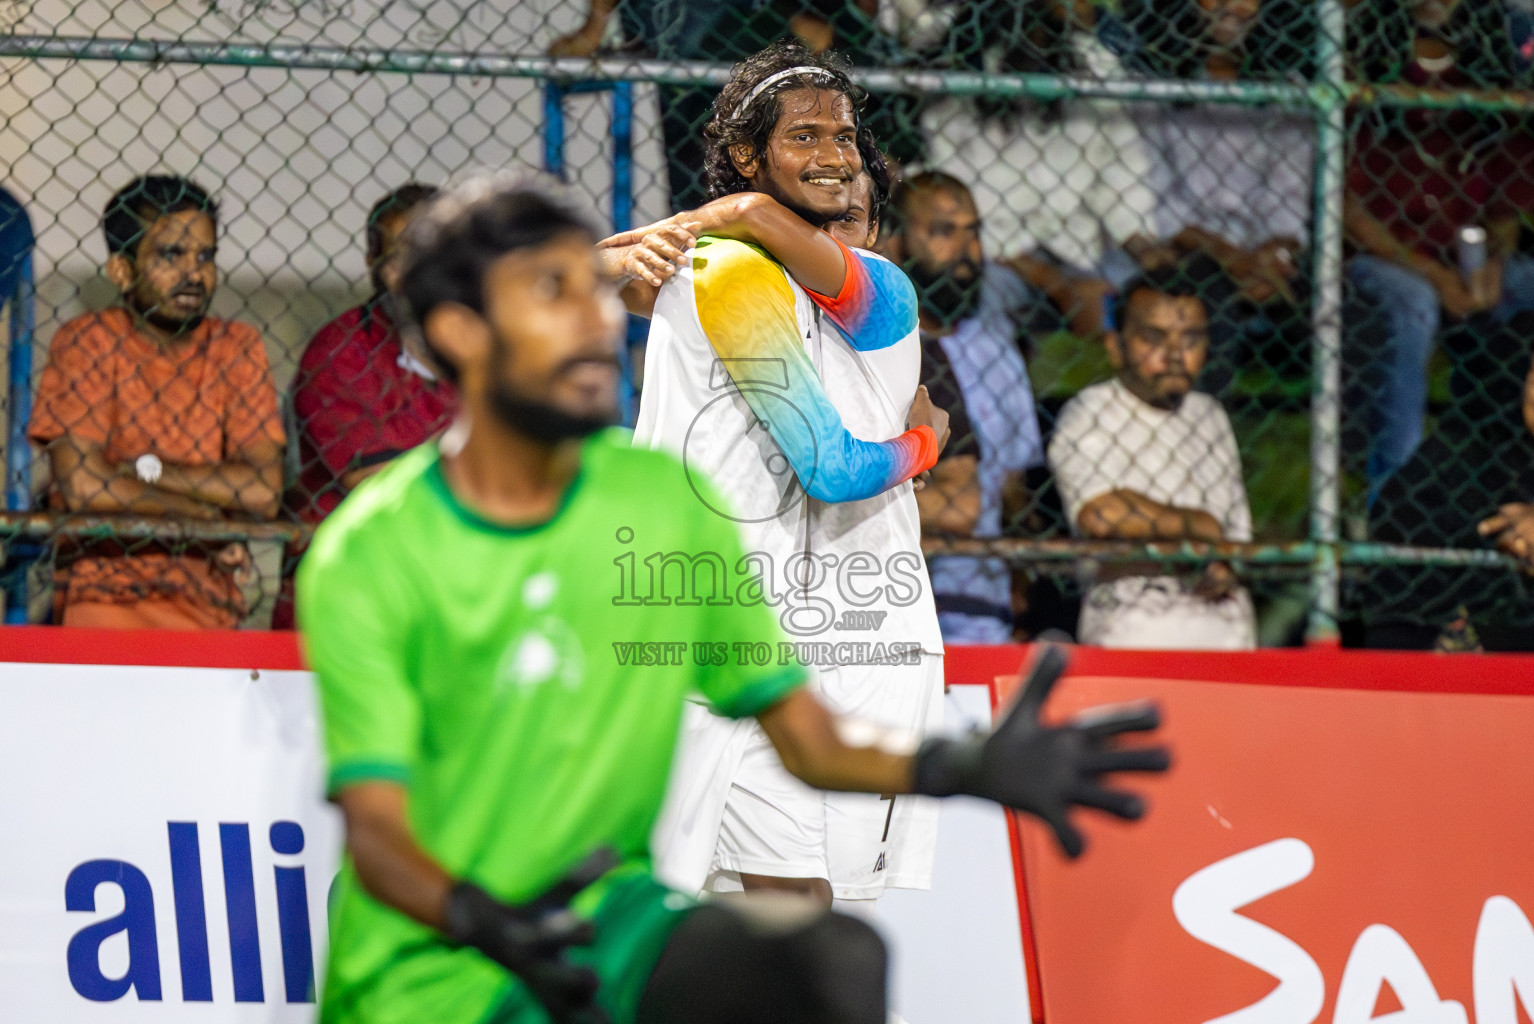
column 722, row 264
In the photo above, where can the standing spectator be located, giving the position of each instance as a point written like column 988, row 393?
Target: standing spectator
column 365, row 394
column 971, row 312
column 154, row 408
column 1142, row 457
column 1416, row 178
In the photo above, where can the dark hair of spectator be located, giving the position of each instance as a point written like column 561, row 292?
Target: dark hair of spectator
column 144, row 200
column 904, row 199
column 1169, row 39
column 1181, row 280
column 752, row 126
column 1381, row 37
column 1009, row 36
column 400, row 201
column 452, row 243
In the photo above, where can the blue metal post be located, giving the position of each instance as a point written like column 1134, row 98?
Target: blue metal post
column 623, row 156
column 623, row 219
column 554, row 94
column 18, row 453
column 554, row 129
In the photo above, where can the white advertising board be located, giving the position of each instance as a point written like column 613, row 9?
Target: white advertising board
column 167, row 855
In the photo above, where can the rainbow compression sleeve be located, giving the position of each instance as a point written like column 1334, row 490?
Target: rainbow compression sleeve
column 746, row 309
column 876, row 307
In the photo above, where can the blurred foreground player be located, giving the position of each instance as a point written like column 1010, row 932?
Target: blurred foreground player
column 488, row 728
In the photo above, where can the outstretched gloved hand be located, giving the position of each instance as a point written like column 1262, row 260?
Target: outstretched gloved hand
column 1046, row 770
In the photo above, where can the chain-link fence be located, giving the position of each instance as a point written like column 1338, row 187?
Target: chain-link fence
column 1300, row 175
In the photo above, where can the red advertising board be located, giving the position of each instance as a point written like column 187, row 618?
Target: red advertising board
column 1346, row 837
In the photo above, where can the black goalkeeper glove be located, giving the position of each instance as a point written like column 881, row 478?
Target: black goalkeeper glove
column 530, row 939
column 1046, row 770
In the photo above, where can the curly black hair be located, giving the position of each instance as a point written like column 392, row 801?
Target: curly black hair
column 137, row 205
column 752, row 126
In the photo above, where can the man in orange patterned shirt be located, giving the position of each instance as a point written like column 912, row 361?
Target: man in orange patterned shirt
column 154, row 408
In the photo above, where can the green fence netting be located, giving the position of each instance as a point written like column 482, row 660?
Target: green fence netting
column 1306, row 170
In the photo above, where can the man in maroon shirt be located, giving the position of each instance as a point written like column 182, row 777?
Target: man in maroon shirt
column 1416, row 178
column 364, row 393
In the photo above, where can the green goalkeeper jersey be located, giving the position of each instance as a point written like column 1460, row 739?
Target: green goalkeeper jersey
column 522, row 684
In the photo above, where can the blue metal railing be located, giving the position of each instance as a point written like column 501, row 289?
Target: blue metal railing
column 18, row 453
column 554, row 93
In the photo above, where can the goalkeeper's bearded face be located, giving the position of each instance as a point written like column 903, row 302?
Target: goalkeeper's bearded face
column 543, row 358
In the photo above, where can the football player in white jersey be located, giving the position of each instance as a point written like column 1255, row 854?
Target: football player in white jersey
column 788, row 377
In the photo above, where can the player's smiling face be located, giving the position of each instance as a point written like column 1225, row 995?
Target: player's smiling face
column 811, row 157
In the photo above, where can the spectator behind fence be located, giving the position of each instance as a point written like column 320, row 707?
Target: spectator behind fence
column 1085, row 188
column 1144, row 458
column 1511, row 527
column 1387, row 39
column 1416, row 179
column 1479, row 458
column 154, row 408
column 971, row 311
column 365, row 394
column 1232, row 182
column 724, row 31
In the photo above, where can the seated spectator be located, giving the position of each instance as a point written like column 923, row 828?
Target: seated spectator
column 365, row 394
column 1231, row 182
column 972, row 313
column 1144, row 458
column 1086, row 183
column 1416, row 178
column 1512, row 530
column 1387, row 39
column 155, row 408
column 1217, row 39
column 718, row 31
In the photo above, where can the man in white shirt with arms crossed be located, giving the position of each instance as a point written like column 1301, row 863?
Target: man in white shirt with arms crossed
column 1143, row 457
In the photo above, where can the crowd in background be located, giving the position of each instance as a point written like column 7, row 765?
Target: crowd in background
column 1174, row 238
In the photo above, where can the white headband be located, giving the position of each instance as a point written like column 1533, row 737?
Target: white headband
column 772, row 80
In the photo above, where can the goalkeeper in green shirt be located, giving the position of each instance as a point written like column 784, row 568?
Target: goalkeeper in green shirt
column 502, row 698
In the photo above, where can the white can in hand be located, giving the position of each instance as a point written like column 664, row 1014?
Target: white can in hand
column 1472, row 251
